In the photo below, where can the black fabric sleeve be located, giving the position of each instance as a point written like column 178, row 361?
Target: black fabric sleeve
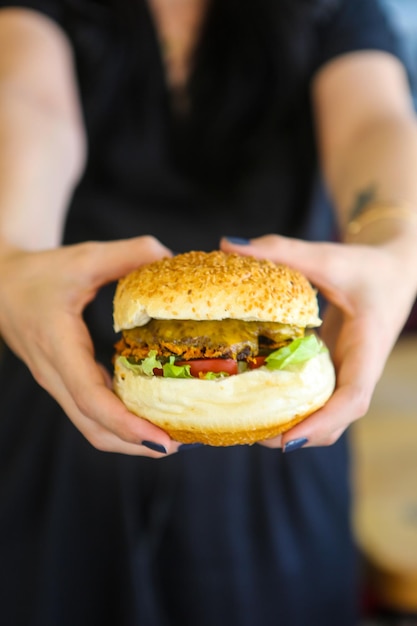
column 71, row 15
column 50, row 8
column 357, row 25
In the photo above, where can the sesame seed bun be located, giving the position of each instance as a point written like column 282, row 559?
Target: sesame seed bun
column 215, row 286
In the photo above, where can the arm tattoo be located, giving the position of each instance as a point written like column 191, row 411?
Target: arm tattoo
column 363, row 198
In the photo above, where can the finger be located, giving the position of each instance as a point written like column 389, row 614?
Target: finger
column 324, row 427
column 333, row 320
column 327, row 265
column 83, row 381
column 102, row 407
column 106, row 440
column 361, row 362
column 274, row 442
column 106, row 376
column 108, row 261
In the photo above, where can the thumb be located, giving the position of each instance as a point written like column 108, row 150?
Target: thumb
column 326, row 265
column 110, row 261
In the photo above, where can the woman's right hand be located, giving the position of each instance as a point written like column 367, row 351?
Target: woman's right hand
column 42, row 299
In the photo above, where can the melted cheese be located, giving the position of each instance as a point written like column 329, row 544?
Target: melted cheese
column 194, row 339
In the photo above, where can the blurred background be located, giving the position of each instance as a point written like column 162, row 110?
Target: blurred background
column 385, row 450
column 404, row 15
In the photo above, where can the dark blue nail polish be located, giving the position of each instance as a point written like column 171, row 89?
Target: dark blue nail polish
column 295, row 444
column 156, row 447
column 238, row 241
column 189, row 446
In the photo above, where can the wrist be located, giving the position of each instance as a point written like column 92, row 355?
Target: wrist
column 8, row 252
column 388, row 225
column 377, row 213
column 8, row 249
column 383, row 222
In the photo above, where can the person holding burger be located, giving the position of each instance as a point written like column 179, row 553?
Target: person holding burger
column 133, row 131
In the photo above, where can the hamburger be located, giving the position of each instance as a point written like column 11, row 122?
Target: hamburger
column 219, row 348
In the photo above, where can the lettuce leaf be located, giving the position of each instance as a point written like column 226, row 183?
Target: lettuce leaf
column 215, row 375
column 176, row 371
column 297, row 352
column 136, row 368
column 150, row 363
column 145, row 367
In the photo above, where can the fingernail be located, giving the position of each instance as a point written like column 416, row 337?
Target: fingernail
column 238, row 241
column 156, row 447
column 295, row 444
column 189, row 446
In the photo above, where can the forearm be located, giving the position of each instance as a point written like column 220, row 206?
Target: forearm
column 42, row 145
column 367, row 138
column 376, row 166
column 40, row 161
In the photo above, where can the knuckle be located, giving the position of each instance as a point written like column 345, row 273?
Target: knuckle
column 84, row 405
column 40, row 378
column 126, row 433
column 331, row 438
column 149, row 241
column 99, row 441
column 151, row 247
column 40, row 372
column 103, row 430
column 87, row 248
column 87, row 254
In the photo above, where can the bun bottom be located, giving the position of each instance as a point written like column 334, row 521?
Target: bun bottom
column 231, row 438
column 242, row 409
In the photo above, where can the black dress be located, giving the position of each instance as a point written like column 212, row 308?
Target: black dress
column 242, row 536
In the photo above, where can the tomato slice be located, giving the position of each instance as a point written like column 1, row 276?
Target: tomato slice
column 202, row 366
column 256, row 361
column 229, row 366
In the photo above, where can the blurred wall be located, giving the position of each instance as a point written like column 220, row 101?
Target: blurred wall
column 404, row 15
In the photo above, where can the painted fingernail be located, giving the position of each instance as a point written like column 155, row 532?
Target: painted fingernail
column 295, row 444
column 189, row 446
column 238, row 241
column 156, row 447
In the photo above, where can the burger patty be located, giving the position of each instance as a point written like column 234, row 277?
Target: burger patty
column 189, row 339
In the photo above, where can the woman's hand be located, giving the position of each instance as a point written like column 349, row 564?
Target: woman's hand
column 370, row 292
column 42, row 298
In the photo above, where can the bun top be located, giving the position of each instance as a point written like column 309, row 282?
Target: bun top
column 214, row 286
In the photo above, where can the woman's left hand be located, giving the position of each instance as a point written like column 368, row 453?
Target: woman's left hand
column 370, row 295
